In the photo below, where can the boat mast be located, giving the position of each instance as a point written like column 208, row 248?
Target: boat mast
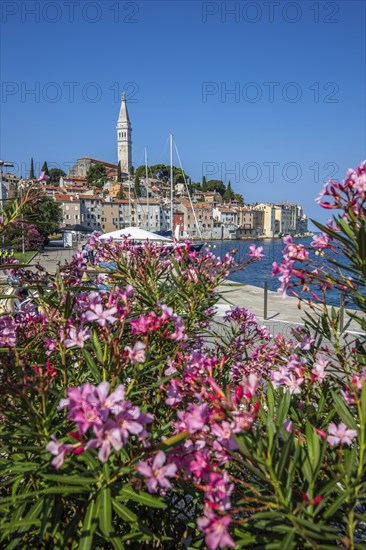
column 147, row 191
column 171, row 183
column 129, row 200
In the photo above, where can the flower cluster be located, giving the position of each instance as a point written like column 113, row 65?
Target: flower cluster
column 103, row 421
column 152, row 322
column 7, row 331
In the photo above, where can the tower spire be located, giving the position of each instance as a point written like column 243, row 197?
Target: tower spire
column 124, row 141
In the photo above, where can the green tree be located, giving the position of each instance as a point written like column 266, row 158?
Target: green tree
column 121, row 193
column 45, row 213
column 140, row 171
column 228, row 195
column 204, row 184
column 31, row 171
column 216, row 185
column 96, row 175
column 119, row 171
column 160, row 172
column 137, row 186
column 45, row 168
column 132, row 170
column 239, row 198
column 55, row 175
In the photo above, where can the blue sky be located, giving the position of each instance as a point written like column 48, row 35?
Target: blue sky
column 296, row 71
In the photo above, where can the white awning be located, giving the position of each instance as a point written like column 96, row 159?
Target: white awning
column 136, row 234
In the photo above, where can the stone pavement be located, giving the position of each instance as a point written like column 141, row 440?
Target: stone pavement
column 51, row 257
column 282, row 313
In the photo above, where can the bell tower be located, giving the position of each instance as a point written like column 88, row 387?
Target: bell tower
column 124, row 141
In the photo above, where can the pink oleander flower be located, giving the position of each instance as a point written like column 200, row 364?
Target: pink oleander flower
column 77, row 337
column 60, row 450
column 178, row 335
column 173, row 391
column 130, row 420
column 100, row 315
column 107, row 435
column 256, row 252
column 219, row 489
column 288, row 426
column 340, row 435
column 320, row 241
column 137, row 353
column 7, row 332
column 195, row 419
column 318, row 371
column 215, row 529
column 157, row 473
column 146, row 323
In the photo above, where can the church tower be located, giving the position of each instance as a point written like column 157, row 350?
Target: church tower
column 124, row 141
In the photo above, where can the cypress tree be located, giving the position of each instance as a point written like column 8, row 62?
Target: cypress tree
column 132, row 170
column 121, row 193
column 45, row 168
column 119, row 171
column 204, row 184
column 31, row 171
column 137, row 186
column 228, row 195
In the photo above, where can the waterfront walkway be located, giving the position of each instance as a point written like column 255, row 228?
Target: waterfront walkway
column 282, row 313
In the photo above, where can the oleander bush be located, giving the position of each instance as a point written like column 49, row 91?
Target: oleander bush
column 132, row 418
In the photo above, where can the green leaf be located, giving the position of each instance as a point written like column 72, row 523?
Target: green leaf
column 142, row 498
column 271, row 400
column 283, row 408
column 97, row 346
column 331, row 509
column 312, row 440
column 105, row 511
column 92, row 365
column 285, row 459
column 89, row 525
column 125, row 513
column 363, row 403
column 173, row 441
column 288, row 541
column 70, row 480
column 343, row 411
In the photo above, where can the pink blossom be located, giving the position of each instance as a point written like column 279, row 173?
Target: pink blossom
column 318, row 370
column 195, row 419
column 60, row 450
column 145, row 323
column 137, row 353
column 297, row 252
column 128, row 420
column 215, row 529
column 157, row 474
column 288, row 426
column 100, row 315
column 7, row 331
column 108, row 435
column 219, row 490
column 178, row 335
column 339, row 435
column 320, row 241
column 256, row 252
column 77, row 337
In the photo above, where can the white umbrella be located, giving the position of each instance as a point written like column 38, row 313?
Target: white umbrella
column 135, row 234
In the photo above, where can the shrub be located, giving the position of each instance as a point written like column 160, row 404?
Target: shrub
column 129, row 420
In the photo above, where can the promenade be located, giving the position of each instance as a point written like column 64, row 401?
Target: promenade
column 282, row 313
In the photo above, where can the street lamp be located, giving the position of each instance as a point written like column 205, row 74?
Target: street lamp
column 2, row 163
